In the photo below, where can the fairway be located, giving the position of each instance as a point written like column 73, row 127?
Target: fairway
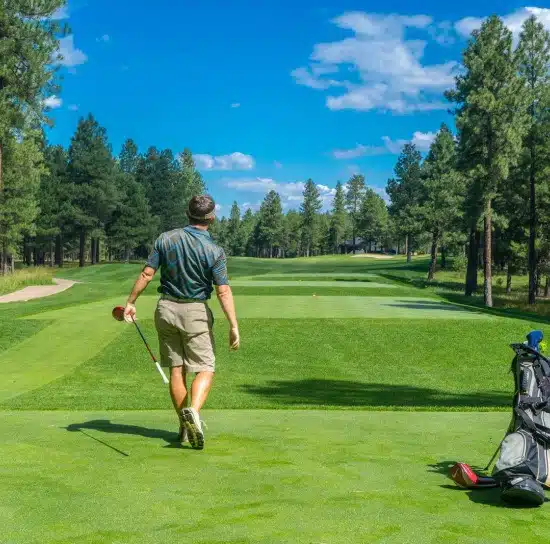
column 335, row 422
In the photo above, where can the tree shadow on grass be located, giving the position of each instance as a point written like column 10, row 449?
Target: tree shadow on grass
column 431, row 305
column 106, row 426
column 342, row 393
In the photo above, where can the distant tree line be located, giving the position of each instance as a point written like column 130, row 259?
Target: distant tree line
column 480, row 195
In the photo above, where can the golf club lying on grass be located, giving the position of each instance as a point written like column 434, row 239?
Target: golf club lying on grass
column 465, row 476
column 118, row 314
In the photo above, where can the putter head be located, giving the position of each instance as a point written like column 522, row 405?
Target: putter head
column 464, row 476
column 118, row 313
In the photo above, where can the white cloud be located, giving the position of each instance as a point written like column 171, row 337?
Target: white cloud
column 73, row 107
column 235, row 105
column 513, row 21
column 234, row 161
column 105, row 38
column 422, row 141
column 290, row 192
column 60, row 14
column 387, row 69
column 53, row 102
column 71, row 55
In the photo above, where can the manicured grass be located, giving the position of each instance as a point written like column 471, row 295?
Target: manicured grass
column 311, row 433
column 25, row 277
column 307, row 363
column 265, row 476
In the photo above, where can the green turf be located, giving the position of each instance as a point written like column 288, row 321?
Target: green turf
column 318, row 284
column 265, row 476
column 336, row 363
column 302, row 445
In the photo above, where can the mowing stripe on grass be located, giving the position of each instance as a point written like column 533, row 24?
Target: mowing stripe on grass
column 53, row 352
column 318, row 284
column 292, row 307
column 317, row 275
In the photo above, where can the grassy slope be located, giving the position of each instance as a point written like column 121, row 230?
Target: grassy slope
column 297, row 478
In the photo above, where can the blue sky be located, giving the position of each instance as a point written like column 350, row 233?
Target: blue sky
column 268, row 94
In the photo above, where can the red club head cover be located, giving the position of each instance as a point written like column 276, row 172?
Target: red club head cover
column 118, row 313
column 463, row 475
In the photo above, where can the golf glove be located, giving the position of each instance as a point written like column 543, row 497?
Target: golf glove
column 129, row 313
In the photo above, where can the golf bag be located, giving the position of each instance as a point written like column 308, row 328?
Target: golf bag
column 523, row 466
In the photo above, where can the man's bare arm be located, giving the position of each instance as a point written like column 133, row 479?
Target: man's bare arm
column 225, row 296
column 147, row 274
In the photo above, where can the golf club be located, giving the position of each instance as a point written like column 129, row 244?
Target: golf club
column 464, row 476
column 118, row 314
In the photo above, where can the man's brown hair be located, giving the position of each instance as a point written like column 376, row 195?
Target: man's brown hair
column 201, row 210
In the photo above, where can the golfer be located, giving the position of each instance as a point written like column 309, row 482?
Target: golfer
column 190, row 264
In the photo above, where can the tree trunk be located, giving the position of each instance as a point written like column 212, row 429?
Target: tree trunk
column 61, row 251
column 82, row 249
column 12, row 262
column 408, row 248
column 433, row 262
column 92, row 250
column 547, row 287
column 1, row 168
column 127, row 258
column 508, row 279
column 97, row 250
column 52, row 252
column 3, row 258
column 444, row 258
column 353, row 240
column 487, row 257
column 471, row 272
column 532, row 231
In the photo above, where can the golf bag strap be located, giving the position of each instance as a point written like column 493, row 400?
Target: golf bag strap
column 530, row 424
column 542, row 379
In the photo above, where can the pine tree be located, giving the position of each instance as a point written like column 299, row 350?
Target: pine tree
column 132, row 224
column 129, row 159
column 270, row 223
column 338, row 218
column 91, row 169
column 354, row 197
column 23, row 166
column 373, row 222
column 490, row 120
column 248, row 224
column 404, row 191
column 534, row 66
column 234, row 235
column 28, row 44
column 442, row 193
column 309, row 211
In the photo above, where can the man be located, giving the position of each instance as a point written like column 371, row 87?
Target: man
column 190, row 265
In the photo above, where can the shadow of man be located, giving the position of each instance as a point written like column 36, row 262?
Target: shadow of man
column 106, row 426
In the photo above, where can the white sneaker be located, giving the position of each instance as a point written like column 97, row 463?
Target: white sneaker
column 193, row 426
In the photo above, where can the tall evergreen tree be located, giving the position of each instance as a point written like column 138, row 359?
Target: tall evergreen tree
column 23, row 166
column 91, row 169
column 404, row 191
column 442, row 194
column 28, row 44
column 129, row 158
column 234, row 235
column 338, row 218
column 534, row 67
column 269, row 226
column 309, row 210
column 373, row 222
column 490, row 120
column 354, row 197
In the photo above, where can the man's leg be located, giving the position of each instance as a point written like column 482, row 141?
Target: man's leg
column 200, row 388
column 178, row 389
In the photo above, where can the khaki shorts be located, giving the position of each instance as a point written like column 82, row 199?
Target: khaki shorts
column 185, row 335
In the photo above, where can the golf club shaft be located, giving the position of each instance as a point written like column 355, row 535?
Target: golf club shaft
column 159, row 368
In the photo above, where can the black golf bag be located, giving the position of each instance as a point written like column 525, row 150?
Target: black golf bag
column 524, row 465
